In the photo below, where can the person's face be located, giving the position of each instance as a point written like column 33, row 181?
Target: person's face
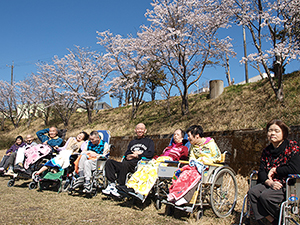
column 52, row 132
column 177, row 136
column 80, row 137
column 140, row 130
column 29, row 139
column 193, row 140
column 275, row 135
column 18, row 141
column 95, row 140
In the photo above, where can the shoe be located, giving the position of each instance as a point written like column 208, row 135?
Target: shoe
column 124, row 190
column 10, row 172
column 18, row 167
column 1, row 169
column 181, row 201
column 78, row 182
column 137, row 196
column 115, row 192
column 109, row 188
column 87, row 188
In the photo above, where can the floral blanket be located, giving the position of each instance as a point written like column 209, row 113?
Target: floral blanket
column 145, row 177
column 185, row 179
column 35, row 153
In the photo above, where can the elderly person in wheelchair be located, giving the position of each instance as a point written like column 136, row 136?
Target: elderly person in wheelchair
column 280, row 158
column 142, row 181
column 87, row 161
column 203, row 150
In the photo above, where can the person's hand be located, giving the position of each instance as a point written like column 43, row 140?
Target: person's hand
column 276, row 185
column 138, row 152
column 272, row 173
column 45, row 142
column 92, row 154
column 55, row 147
column 130, row 156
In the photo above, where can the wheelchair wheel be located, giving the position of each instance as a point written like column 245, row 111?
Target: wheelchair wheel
column 158, row 204
column 32, row 185
column 71, row 192
column 223, row 193
column 199, row 215
column 11, row 183
column 65, row 185
column 101, row 181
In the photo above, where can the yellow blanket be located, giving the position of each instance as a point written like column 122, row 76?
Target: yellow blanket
column 145, row 177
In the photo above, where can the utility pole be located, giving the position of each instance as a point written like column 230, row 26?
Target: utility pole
column 245, row 54
column 12, row 74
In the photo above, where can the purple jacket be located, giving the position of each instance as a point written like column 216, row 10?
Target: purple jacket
column 14, row 148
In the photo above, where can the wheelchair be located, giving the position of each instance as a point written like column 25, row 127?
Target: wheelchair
column 289, row 210
column 98, row 178
column 217, row 188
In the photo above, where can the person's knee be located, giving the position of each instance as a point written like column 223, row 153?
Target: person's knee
column 87, row 164
column 267, row 197
column 250, row 192
column 84, row 157
column 109, row 163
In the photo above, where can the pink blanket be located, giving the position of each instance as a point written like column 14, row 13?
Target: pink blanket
column 34, row 153
column 188, row 178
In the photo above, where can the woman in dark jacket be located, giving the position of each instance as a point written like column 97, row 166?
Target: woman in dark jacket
column 280, row 158
column 18, row 143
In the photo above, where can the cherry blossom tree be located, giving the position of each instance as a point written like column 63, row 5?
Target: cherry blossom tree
column 75, row 80
column 11, row 102
column 272, row 25
column 183, row 37
column 132, row 64
column 156, row 80
column 34, row 98
column 83, row 73
column 56, row 98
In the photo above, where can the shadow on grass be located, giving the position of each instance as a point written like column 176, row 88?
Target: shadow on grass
column 24, row 184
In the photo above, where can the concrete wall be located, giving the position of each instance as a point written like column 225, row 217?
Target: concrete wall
column 244, row 146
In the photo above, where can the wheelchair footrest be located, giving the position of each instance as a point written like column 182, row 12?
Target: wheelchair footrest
column 185, row 208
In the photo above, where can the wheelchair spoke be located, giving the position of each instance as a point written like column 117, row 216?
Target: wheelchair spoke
column 223, row 193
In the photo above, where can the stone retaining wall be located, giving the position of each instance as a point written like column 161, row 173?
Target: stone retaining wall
column 244, row 146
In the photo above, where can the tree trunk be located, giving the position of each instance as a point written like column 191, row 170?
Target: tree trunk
column 2, row 123
column 89, row 115
column 185, row 102
column 168, row 107
column 153, row 95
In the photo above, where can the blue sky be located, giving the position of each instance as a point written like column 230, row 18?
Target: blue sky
column 36, row 30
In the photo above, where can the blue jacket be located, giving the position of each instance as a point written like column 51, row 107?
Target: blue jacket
column 57, row 141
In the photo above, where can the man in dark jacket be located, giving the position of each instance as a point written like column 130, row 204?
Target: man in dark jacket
column 137, row 148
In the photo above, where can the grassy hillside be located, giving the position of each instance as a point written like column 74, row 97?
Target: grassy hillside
column 239, row 107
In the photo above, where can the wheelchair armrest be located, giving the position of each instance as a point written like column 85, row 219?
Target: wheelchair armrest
column 254, row 172
column 145, row 159
column 101, row 157
column 169, row 161
column 295, row 175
